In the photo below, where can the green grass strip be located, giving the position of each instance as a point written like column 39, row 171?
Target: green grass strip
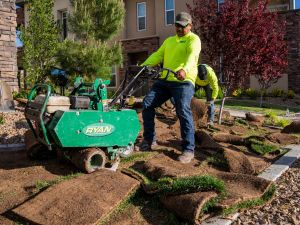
column 138, row 156
column 260, row 147
column 188, row 185
column 42, row 184
column 268, row 195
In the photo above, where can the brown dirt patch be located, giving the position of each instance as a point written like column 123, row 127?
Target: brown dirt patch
column 86, row 199
column 18, row 177
column 204, row 140
column 253, row 118
column 199, row 110
column 188, row 206
column 228, row 138
column 162, row 165
column 294, row 127
column 282, row 138
column 238, row 162
column 242, row 187
column 238, row 130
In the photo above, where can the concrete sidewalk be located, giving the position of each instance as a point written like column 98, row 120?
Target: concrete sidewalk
column 241, row 113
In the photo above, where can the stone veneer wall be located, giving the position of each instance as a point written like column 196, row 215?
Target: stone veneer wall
column 146, row 44
column 8, row 50
column 293, row 39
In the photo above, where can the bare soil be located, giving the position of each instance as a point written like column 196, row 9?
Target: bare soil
column 86, row 199
column 19, row 175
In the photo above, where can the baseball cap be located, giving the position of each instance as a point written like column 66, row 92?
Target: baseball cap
column 183, row 19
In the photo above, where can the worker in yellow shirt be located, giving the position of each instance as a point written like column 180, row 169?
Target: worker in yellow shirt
column 208, row 80
column 179, row 53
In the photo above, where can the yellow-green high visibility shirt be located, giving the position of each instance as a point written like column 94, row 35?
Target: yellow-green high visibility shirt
column 211, row 79
column 178, row 53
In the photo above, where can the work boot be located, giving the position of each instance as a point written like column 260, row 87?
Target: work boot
column 145, row 146
column 186, row 157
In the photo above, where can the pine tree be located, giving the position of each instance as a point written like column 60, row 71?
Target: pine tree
column 40, row 38
column 94, row 22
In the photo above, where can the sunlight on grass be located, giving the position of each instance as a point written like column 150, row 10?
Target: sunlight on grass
column 253, row 106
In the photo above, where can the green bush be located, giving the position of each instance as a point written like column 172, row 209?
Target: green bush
column 274, row 120
column 1, row 119
column 252, row 93
column 237, row 93
column 21, row 94
column 290, row 94
column 277, row 92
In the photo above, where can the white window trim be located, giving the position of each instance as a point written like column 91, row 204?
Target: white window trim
column 167, row 11
column 116, row 77
column 137, row 15
column 61, row 17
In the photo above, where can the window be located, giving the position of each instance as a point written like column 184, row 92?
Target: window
column 113, row 78
column 63, row 23
column 169, row 12
column 141, row 16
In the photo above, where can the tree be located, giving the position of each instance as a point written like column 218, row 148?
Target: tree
column 247, row 38
column 40, row 38
column 94, row 23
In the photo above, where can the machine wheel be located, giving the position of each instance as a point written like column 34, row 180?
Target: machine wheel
column 88, row 160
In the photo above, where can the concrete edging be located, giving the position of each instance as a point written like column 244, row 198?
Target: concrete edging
column 272, row 173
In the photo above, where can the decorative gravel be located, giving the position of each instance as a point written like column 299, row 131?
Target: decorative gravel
column 284, row 208
column 13, row 129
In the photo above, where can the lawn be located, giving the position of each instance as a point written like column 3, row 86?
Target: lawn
column 253, row 106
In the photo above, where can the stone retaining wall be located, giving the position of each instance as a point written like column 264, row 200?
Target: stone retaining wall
column 8, row 50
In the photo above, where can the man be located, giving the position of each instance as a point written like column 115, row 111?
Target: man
column 179, row 53
column 208, row 80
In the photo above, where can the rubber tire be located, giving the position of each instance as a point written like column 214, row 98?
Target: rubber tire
column 83, row 159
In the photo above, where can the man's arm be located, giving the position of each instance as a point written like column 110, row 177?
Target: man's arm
column 213, row 82
column 156, row 57
column 193, row 51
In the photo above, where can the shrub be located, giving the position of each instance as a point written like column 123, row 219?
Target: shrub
column 252, row 93
column 290, row 94
column 274, row 120
column 237, row 93
column 1, row 119
column 21, row 94
column 277, row 92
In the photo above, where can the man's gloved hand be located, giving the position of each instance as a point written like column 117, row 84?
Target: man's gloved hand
column 181, row 74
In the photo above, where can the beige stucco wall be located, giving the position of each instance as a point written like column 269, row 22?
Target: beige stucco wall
column 155, row 20
column 131, row 19
column 282, row 83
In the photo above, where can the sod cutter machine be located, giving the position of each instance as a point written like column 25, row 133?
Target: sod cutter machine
column 85, row 127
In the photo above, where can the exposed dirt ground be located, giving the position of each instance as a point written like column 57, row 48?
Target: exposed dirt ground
column 226, row 157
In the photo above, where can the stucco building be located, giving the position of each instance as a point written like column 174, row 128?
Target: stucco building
column 149, row 22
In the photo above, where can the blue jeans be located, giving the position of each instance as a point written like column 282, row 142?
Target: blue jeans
column 182, row 93
column 211, row 106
